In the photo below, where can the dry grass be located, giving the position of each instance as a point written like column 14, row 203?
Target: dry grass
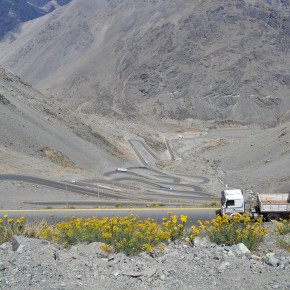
column 10, row 227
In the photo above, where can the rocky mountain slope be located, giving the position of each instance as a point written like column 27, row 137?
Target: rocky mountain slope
column 37, row 134
column 96, row 58
column 41, row 136
column 224, row 60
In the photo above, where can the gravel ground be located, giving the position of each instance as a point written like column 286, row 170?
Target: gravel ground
column 37, row 264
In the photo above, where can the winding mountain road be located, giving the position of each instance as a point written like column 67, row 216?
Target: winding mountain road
column 140, row 184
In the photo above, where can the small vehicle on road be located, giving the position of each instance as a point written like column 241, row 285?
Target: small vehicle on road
column 165, row 187
column 121, row 169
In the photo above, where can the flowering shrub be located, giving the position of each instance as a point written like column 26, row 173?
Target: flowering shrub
column 284, row 244
column 282, row 227
column 234, row 230
column 131, row 235
column 10, row 227
column 125, row 234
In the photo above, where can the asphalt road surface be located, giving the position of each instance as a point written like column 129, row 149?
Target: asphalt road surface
column 51, row 215
column 58, row 185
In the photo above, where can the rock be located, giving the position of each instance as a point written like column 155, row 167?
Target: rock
column 2, row 267
column 241, row 249
column 20, row 249
column 132, row 274
column 223, row 266
column 149, row 273
column 281, row 265
column 272, row 261
column 200, row 242
column 255, row 257
column 5, row 246
column 18, row 243
column 167, row 256
column 111, row 257
column 56, row 256
column 116, row 273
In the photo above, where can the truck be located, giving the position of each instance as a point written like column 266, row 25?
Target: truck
column 268, row 206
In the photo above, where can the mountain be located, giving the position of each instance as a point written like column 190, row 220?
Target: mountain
column 40, row 135
column 154, row 59
column 48, row 5
column 13, row 13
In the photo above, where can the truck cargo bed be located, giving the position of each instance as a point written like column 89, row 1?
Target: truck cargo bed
column 274, row 202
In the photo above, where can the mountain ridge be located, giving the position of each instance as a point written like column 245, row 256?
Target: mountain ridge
column 14, row 13
column 161, row 59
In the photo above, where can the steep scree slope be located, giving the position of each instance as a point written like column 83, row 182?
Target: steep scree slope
column 32, row 123
column 175, row 59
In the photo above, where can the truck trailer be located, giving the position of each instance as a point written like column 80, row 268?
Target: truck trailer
column 269, row 206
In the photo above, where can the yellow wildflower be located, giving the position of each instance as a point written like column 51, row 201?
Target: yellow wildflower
column 146, row 247
column 183, row 218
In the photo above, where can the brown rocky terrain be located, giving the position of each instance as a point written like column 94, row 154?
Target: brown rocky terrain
column 41, row 136
column 220, row 60
column 33, row 126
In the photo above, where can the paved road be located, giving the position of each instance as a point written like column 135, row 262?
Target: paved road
column 58, row 185
column 148, row 149
column 170, row 149
column 193, row 214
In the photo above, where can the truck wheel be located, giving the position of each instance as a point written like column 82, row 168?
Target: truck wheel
column 273, row 217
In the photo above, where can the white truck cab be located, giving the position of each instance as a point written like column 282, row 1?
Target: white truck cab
column 232, row 202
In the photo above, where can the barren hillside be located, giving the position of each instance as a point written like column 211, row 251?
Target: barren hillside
column 177, row 59
column 38, row 135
